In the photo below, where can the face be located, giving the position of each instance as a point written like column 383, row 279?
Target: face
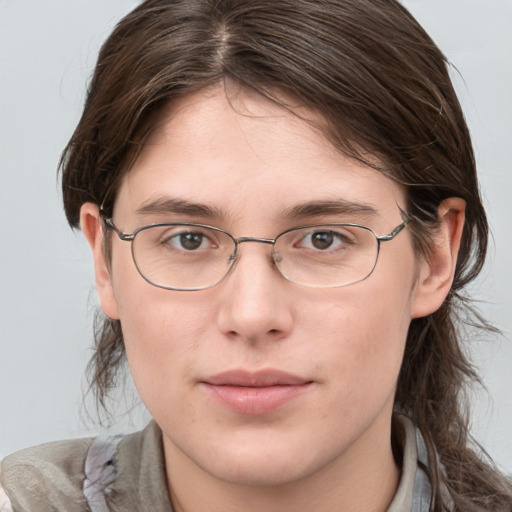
column 258, row 369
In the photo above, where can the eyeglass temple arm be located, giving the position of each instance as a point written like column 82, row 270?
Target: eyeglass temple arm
column 390, row 236
column 109, row 224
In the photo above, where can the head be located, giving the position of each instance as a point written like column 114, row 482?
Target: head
column 362, row 91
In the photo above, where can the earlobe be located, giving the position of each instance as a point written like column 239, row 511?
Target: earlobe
column 92, row 228
column 436, row 272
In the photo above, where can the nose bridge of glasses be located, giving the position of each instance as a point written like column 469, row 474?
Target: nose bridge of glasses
column 243, row 239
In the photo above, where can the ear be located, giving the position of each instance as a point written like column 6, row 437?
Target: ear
column 92, row 227
column 436, row 272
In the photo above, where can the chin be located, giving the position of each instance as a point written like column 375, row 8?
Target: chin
column 267, row 473
column 264, row 464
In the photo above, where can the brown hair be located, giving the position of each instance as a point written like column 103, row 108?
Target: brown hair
column 382, row 86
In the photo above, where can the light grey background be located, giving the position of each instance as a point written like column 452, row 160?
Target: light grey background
column 47, row 51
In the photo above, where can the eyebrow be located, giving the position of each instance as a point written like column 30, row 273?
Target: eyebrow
column 330, row 207
column 169, row 205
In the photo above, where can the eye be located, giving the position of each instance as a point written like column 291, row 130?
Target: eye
column 188, row 241
column 324, row 240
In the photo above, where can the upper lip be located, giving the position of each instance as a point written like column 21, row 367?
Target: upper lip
column 260, row 378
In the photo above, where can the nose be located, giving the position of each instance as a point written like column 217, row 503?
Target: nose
column 256, row 301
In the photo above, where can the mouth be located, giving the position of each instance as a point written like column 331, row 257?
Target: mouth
column 255, row 393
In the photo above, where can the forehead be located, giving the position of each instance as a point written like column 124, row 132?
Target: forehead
column 243, row 154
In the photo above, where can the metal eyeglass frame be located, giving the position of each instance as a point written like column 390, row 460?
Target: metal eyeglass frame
column 125, row 237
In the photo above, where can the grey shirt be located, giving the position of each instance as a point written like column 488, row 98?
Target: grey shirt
column 123, row 473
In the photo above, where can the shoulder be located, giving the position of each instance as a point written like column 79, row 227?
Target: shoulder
column 42, row 477
column 94, row 474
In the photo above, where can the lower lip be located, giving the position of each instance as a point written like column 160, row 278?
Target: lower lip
column 255, row 400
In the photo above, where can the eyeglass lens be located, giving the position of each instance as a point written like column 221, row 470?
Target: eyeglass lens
column 184, row 257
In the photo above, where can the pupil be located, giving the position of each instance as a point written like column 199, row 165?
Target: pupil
column 191, row 241
column 322, row 240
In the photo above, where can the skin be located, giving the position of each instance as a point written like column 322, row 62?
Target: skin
column 328, row 448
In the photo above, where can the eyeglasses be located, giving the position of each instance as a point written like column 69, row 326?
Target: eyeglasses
column 188, row 256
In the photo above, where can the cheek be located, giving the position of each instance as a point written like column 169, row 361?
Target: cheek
column 162, row 330
column 364, row 332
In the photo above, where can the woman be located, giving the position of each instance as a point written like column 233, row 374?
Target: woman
column 282, row 206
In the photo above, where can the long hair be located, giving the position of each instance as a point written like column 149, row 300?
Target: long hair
column 382, row 88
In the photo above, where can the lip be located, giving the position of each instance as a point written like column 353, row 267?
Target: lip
column 255, row 393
